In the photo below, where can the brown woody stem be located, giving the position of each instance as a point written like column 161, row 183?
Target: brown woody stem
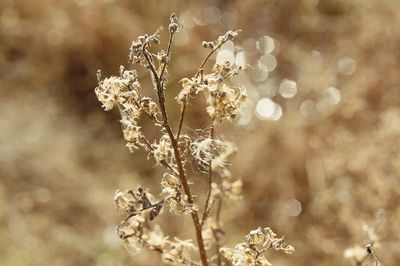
column 207, row 207
column 178, row 158
column 200, row 70
column 182, row 116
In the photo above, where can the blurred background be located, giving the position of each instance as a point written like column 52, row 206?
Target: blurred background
column 318, row 143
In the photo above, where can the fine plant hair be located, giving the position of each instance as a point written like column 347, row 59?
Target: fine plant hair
column 175, row 149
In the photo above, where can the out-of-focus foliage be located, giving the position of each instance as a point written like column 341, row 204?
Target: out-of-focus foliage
column 318, row 145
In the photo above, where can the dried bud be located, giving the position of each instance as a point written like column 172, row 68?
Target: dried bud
column 174, row 24
column 256, row 237
column 173, row 27
column 209, row 45
column 250, row 252
column 230, row 35
column 171, row 180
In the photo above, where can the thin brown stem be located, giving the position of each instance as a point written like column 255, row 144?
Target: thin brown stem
column 208, row 57
column 178, row 158
column 183, row 178
column 182, row 116
column 210, row 179
column 151, row 64
column 167, row 57
column 147, row 143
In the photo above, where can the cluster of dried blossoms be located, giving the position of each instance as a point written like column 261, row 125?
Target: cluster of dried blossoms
column 250, row 253
column 174, row 151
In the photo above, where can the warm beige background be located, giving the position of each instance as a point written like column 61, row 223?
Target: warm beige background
column 62, row 157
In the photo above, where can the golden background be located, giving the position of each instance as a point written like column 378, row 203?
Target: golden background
column 315, row 174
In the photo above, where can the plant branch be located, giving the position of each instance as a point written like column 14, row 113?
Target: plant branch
column 200, row 70
column 181, row 120
column 167, row 57
column 183, row 178
column 178, row 158
column 207, row 207
column 150, row 63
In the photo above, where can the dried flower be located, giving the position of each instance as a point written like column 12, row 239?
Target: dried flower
column 228, row 36
column 178, row 252
column 173, row 151
column 223, row 100
column 162, row 151
column 174, row 25
column 174, row 197
column 136, row 51
column 257, row 242
column 108, row 91
column 149, row 107
column 242, row 255
column 217, row 151
column 156, row 238
column 256, row 237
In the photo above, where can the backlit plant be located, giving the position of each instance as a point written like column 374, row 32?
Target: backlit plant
column 174, row 150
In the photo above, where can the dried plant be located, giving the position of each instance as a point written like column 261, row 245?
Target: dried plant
column 174, row 150
column 358, row 254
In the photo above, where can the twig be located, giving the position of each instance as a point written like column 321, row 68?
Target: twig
column 178, row 158
column 150, row 63
column 181, row 120
column 200, row 70
column 167, row 59
column 210, row 178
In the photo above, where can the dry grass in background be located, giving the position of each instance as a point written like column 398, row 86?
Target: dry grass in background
column 329, row 164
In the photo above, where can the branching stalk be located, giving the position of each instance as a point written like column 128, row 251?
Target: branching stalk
column 182, row 175
column 182, row 116
column 200, row 70
column 207, row 207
